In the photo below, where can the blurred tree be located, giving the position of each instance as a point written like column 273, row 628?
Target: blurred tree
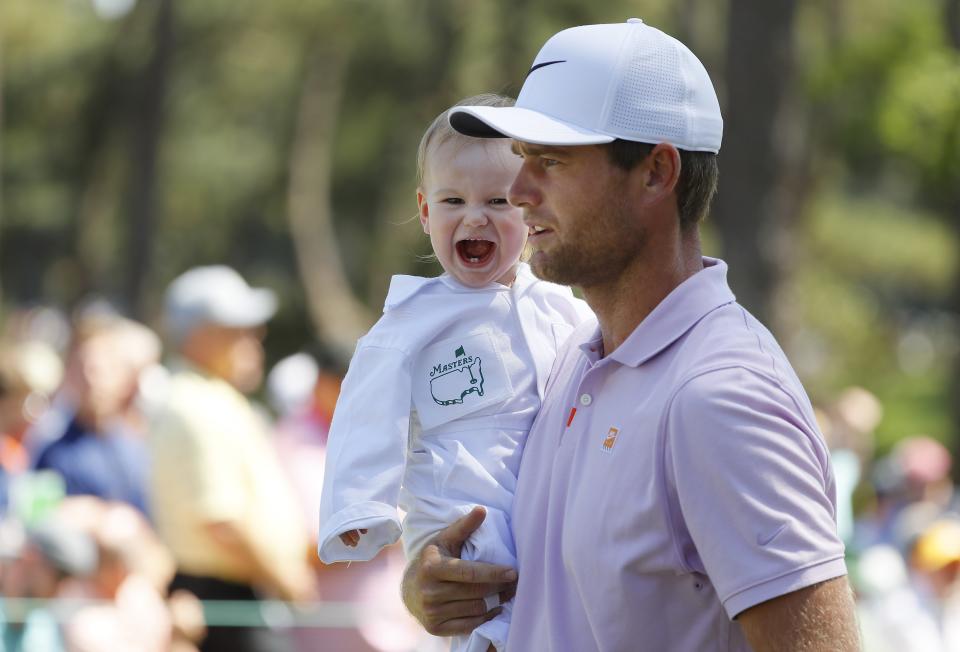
column 150, row 97
column 1, row 159
column 887, row 100
column 951, row 15
column 754, row 209
column 337, row 315
column 280, row 138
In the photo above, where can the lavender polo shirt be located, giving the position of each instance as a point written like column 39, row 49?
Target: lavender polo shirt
column 669, row 486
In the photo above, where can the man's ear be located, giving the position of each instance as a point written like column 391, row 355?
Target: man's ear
column 424, row 211
column 661, row 171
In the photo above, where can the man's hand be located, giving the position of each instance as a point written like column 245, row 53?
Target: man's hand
column 445, row 593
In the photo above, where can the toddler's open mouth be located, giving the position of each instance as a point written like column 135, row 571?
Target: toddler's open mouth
column 475, row 252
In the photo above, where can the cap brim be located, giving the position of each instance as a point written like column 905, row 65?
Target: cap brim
column 521, row 124
column 257, row 309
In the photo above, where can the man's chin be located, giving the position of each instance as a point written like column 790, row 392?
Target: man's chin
column 547, row 270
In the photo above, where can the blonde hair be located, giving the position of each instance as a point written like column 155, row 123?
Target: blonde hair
column 440, row 131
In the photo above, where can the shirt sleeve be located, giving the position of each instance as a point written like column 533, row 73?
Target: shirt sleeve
column 750, row 491
column 365, row 455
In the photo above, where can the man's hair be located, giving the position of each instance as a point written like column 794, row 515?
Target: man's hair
column 440, row 131
column 699, row 172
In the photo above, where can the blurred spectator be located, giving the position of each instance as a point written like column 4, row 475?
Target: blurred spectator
column 893, row 618
column 854, row 416
column 301, row 430
column 53, row 562
column 101, row 452
column 29, row 373
column 220, row 498
column 916, row 471
column 132, row 574
column 848, row 425
column 913, row 607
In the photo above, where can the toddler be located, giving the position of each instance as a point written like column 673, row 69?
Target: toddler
column 440, row 394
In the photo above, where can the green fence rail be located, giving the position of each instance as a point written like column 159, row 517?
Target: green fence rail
column 274, row 614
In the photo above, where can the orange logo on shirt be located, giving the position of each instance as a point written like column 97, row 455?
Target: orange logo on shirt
column 611, row 438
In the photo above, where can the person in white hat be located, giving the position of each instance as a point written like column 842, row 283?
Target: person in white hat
column 674, row 492
column 220, row 499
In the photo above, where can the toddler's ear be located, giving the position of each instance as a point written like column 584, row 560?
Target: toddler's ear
column 424, row 211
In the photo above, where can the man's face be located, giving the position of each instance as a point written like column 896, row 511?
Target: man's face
column 105, row 381
column 575, row 203
column 233, row 354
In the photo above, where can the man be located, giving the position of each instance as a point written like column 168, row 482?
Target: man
column 675, row 493
column 101, row 451
column 220, row 499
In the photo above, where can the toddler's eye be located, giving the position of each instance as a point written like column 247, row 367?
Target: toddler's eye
column 499, row 201
column 456, row 201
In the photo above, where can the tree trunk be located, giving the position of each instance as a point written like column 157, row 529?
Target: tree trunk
column 338, row 318
column 751, row 207
column 147, row 130
column 1, row 158
column 952, row 22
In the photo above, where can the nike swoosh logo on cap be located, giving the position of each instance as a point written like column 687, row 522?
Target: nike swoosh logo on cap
column 545, row 63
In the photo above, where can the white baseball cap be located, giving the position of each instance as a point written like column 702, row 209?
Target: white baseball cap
column 596, row 83
column 215, row 294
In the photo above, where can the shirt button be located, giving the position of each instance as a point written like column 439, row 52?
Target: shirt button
column 585, row 400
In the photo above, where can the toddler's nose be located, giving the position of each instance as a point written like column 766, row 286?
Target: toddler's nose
column 475, row 217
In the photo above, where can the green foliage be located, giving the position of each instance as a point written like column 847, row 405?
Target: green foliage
column 919, row 119
column 876, row 251
column 878, row 244
column 866, row 294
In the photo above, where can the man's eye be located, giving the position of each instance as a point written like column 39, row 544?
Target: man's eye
column 548, row 162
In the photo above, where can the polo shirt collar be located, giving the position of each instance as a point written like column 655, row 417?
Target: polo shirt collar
column 687, row 304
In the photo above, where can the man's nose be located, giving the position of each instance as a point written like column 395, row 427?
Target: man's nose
column 522, row 193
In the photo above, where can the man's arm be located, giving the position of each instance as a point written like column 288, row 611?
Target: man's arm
column 444, row 592
column 289, row 584
column 818, row 618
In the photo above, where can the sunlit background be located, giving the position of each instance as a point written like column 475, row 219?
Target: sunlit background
column 141, row 138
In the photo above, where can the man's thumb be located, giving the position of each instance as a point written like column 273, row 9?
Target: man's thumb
column 452, row 537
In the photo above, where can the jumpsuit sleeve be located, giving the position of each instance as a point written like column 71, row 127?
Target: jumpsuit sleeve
column 365, row 455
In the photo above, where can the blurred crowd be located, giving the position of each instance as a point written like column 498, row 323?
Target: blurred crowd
column 156, row 494
column 900, row 520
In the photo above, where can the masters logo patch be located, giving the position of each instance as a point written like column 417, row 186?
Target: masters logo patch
column 457, row 378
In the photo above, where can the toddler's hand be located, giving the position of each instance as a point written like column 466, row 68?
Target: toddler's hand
column 352, row 537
